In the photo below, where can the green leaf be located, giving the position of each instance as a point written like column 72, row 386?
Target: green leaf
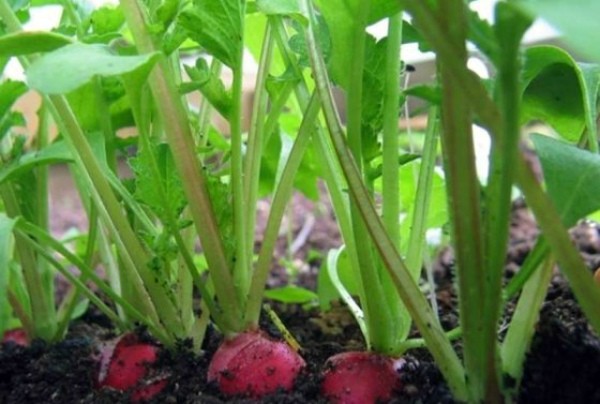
column 107, row 19
column 577, row 20
column 279, row 7
column 57, row 152
column 167, row 12
column 291, row 295
column 569, row 173
column 428, row 92
column 438, row 209
column 146, row 182
column 72, row 66
column 210, row 85
column 6, row 256
column 482, row 35
column 217, row 26
column 27, row 42
column 340, row 16
column 10, row 91
column 381, row 9
column 560, row 91
column 298, row 45
column 327, row 290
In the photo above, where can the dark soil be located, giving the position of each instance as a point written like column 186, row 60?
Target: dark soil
column 563, row 365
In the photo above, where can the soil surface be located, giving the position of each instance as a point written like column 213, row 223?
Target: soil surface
column 563, row 365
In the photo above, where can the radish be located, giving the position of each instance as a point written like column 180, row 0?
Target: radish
column 16, row 336
column 254, row 365
column 124, row 366
column 361, row 378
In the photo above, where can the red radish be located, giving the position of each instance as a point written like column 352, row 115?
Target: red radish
column 254, row 365
column 16, row 336
column 124, row 366
column 360, row 378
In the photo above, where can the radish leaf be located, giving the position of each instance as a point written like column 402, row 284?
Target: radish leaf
column 24, row 43
column 569, row 172
column 560, row 91
column 217, row 26
column 72, row 66
column 291, row 294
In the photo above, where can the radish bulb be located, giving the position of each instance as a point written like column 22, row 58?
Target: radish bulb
column 124, row 366
column 254, row 365
column 16, row 336
column 360, row 378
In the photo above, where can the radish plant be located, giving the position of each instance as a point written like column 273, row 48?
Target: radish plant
column 138, row 64
column 190, row 182
column 479, row 215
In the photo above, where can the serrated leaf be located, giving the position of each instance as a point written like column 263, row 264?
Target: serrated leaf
column 107, row 19
column 167, row 12
column 27, row 42
column 482, row 35
column 220, row 196
column 166, row 179
column 560, row 91
column 217, row 26
column 569, row 174
column 72, row 66
column 298, row 44
column 291, row 295
column 210, row 85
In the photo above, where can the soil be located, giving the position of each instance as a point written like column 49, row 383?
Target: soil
column 563, row 365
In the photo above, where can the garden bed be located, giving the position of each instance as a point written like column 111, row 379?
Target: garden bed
column 563, row 365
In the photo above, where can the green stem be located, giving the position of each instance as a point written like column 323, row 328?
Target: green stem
column 242, row 269
column 498, row 195
column 391, row 146
column 281, row 197
column 43, row 315
column 399, row 316
column 410, row 293
column 256, row 138
column 195, row 185
column 416, row 249
column 522, row 325
column 416, row 239
column 43, row 238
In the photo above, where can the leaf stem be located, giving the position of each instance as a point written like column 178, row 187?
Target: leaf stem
column 256, row 140
column 242, row 269
column 281, row 197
